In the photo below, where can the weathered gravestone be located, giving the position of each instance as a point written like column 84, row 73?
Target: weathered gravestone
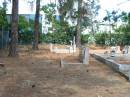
column 113, row 51
column 118, row 49
column 84, row 56
column 125, row 50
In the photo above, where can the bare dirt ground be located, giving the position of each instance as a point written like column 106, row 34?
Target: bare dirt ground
column 38, row 74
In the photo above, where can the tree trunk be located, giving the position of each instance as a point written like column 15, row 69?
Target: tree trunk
column 14, row 30
column 78, row 30
column 36, row 26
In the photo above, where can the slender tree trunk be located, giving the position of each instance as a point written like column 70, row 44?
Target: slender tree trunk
column 14, row 30
column 78, row 30
column 36, row 25
column 78, row 40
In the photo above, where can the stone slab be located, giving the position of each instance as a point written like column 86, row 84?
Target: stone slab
column 123, row 69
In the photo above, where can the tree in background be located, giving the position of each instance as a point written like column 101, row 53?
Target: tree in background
column 81, row 17
column 78, row 27
column 14, row 30
column 111, row 19
column 36, row 25
column 3, row 18
column 124, row 29
column 62, row 32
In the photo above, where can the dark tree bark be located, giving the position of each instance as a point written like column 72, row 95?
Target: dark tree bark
column 36, row 25
column 78, row 30
column 14, row 30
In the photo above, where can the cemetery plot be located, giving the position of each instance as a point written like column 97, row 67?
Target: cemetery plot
column 80, row 59
column 39, row 75
column 67, row 49
column 119, row 62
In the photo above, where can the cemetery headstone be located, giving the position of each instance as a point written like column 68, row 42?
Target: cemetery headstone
column 113, row 51
column 86, row 56
column 118, row 49
column 125, row 50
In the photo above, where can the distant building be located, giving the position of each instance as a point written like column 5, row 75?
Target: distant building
column 28, row 8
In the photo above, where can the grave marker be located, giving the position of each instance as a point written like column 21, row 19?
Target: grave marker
column 113, row 51
column 86, row 56
column 125, row 50
column 118, row 49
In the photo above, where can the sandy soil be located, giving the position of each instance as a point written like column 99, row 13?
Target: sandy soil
column 38, row 74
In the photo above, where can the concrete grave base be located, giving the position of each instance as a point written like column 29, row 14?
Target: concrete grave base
column 74, row 66
column 84, row 60
column 123, row 69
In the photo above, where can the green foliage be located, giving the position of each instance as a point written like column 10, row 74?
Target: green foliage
column 26, row 37
column 23, row 24
column 3, row 17
column 116, row 38
column 112, row 16
column 62, row 32
column 26, row 28
column 25, row 32
column 84, row 38
column 91, row 40
column 101, row 38
column 124, row 29
column 59, row 37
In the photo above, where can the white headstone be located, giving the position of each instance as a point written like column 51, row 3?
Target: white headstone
column 113, row 51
